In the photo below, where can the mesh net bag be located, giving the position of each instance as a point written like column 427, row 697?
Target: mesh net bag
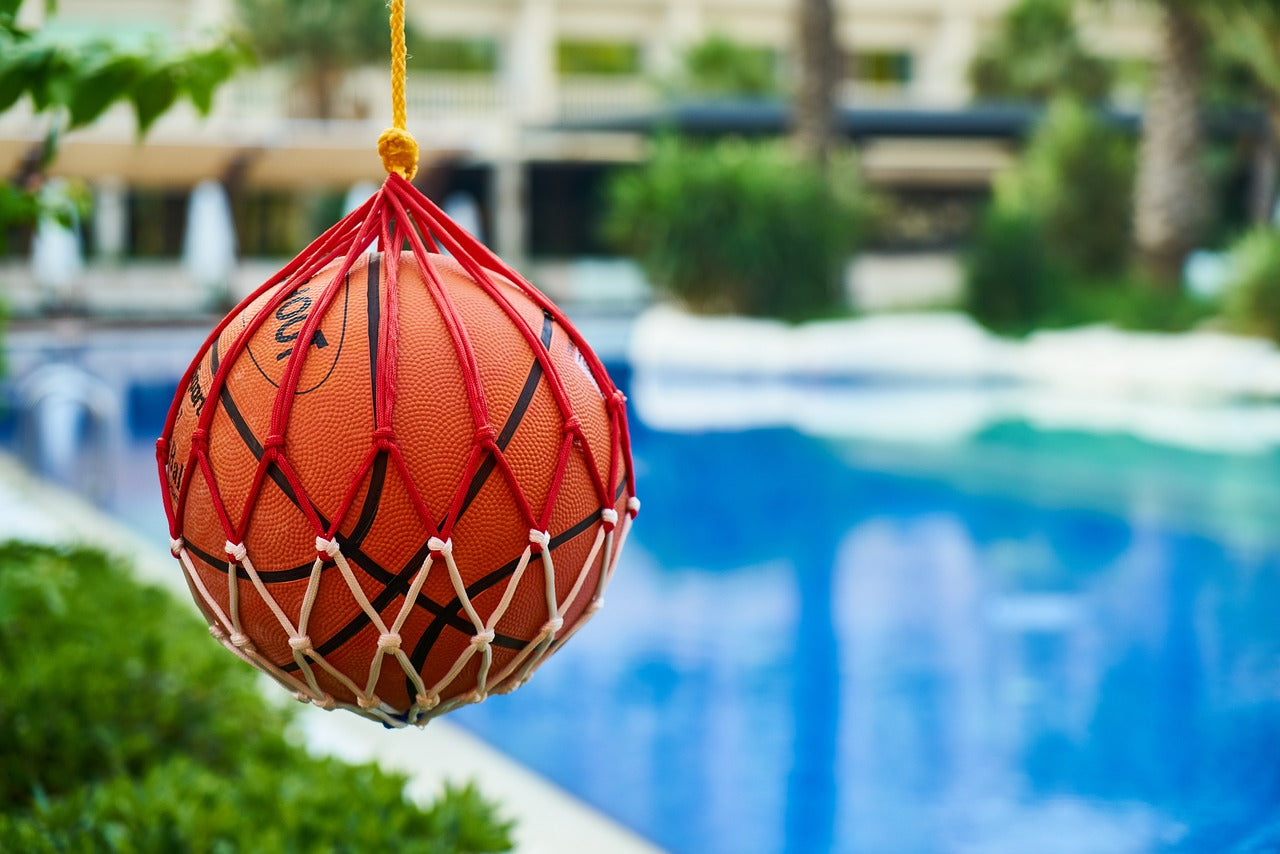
column 396, row 477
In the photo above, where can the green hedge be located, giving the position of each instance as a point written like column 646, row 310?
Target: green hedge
column 1012, row 284
column 1076, row 180
column 740, row 227
column 1053, row 246
column 1252, row 303
column 124, row 727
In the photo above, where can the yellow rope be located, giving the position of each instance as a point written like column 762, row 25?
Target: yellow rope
column 397, row 146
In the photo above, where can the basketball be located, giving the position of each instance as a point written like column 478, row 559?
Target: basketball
column 395, row 485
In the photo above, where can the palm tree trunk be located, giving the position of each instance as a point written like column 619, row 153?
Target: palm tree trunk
column 815, row 127
column 1172, row 202
column 318, row 89
column 1266, row 169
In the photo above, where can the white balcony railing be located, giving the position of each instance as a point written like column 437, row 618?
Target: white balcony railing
column 456, row 95
column 582, row 97
column 274, row 94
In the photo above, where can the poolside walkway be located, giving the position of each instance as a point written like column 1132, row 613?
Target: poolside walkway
column 549, row 820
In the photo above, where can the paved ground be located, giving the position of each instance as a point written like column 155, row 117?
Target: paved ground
column 550, row 821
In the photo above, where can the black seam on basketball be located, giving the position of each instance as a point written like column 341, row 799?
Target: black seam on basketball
column 372, row 499
column 378, row 477
column 352, row 550
column 513, row 420
column 374, row 314
column 346, row 298
column 276, row 576
column 250, row 440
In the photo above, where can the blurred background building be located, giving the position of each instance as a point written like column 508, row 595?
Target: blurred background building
column 523, row 107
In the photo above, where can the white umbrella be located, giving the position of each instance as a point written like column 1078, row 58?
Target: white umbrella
column 209, row 246
column 110, row 218
column 57, row 252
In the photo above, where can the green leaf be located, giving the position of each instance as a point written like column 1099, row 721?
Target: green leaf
column 24, row 67
column 203, row 72
column 41, row 66
column 101, row 87
column 9, row 8
column 200, row 90
column 152, row 96
column 12, row 86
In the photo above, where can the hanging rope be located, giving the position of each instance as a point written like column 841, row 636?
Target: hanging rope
column 398, row 148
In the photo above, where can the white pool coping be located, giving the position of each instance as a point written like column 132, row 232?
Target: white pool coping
column 548, row 819
column 939, row 378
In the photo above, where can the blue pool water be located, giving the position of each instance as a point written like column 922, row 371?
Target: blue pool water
column 1026, row 642
column 1032, row 643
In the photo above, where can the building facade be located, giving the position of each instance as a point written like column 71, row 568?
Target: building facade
column 501, row 96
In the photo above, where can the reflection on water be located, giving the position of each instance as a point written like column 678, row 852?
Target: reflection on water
column 804, row 654
column 1027, row 643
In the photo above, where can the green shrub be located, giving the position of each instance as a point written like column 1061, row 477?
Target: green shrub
column 1013, row 287
column 1011, row 284
column 1128, row 302
column 1252, row 303
column 125, row 728
column 739, row 227
column 1053, row 246
column 1076, row 179
column 1037, row 54
column 721, row 67
column 181, row 805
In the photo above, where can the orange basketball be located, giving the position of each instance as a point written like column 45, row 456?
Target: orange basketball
column 397, row 483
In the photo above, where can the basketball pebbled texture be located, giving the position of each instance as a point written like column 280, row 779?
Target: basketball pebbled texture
column 485, row 499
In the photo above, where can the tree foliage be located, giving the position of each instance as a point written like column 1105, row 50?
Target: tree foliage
column 123, row 727
column 1252, row 301
column 740, row 227
column 322, row 39
column 721, row 67
column 1249, row 35
column 1037, row 54
column 317, row 34
column 77, row 82
column 71, row 84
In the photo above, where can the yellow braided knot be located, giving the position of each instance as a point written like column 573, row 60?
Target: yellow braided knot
column 399, row 151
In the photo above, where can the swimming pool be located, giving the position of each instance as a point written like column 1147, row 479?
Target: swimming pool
column 1033, row 642
column 1023, row 641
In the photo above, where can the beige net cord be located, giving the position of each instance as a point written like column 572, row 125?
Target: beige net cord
column 226, row 625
